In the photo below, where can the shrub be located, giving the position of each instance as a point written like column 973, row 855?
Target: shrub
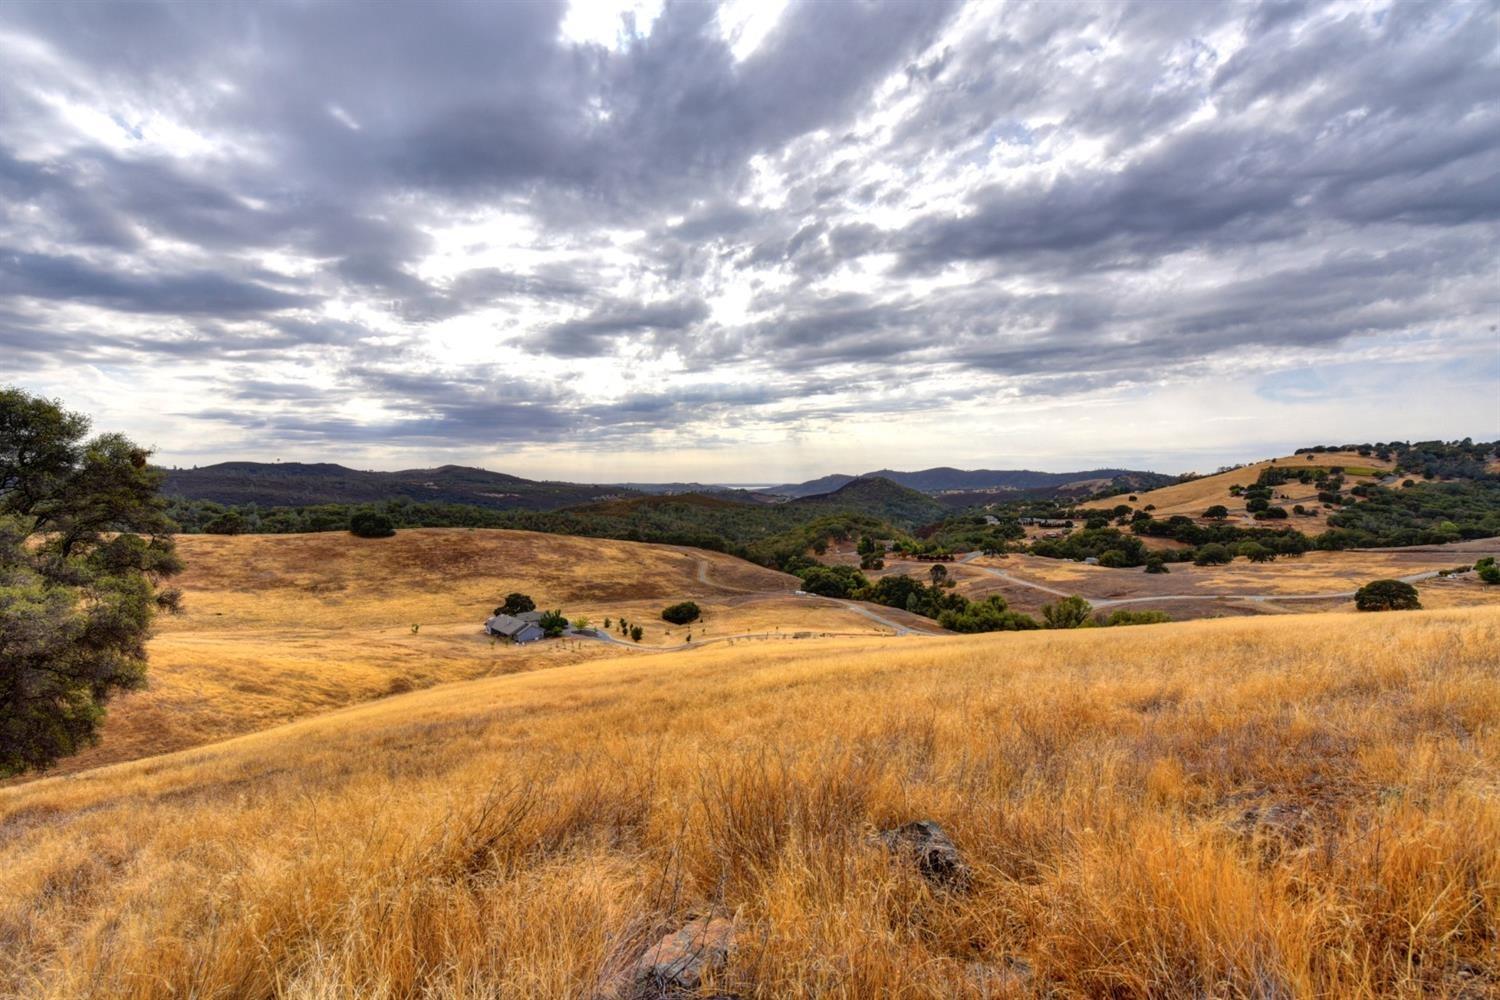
column 636, row 632
column 1217, row 512
column 1068, row 612
column 1136, row 618
column 370, row 524
column 1386, row 595
column 553, row 624
column 1156, row 564
column 1490, row 574
column 681, row 614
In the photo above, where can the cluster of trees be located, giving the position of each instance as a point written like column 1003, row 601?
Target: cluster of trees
column 938, row 600
column 1111, row 546
column 1422, row 514
column 1466, row 459
column 974, row 533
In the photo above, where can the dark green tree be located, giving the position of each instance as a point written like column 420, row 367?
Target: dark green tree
column 1217, row 512
column 516, row 604
column 682, row 613
column 1386, row 595
column 85, row 546
column 371, row 524
column 1213, row 554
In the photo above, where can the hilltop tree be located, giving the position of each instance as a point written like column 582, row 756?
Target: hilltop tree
column 84, row 549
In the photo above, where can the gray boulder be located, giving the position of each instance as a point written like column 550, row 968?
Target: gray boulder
column 928, row 845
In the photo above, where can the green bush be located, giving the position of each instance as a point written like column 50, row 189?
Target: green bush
column 1386, row 595
column 553, row 623
column 681, row 614
column 1136, row 618
column 1068, row 612
column 1156, row 564
column 1490, row 574
column 371, row 524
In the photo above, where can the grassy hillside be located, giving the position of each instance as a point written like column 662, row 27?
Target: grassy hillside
column 1293, row 807
column 277, row 627
column 1195, row 496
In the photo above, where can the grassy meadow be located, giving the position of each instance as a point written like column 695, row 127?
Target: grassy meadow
column 277, row 627
column 1283, row 807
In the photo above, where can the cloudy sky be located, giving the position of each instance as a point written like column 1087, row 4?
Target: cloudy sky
column 753, row 242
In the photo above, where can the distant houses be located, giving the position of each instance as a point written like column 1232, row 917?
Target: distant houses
column 524, row 627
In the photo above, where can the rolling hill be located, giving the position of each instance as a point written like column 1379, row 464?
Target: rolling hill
column 877, row 497
column 276, row 627
column 1192, row 497
column 949, row 480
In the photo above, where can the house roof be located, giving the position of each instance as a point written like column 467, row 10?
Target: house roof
column 507, row 625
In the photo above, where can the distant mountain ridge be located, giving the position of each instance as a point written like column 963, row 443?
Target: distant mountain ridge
column 293, row 484
column 944, row 479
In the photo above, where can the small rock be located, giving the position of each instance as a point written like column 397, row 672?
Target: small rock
column 675, row 965
column 933, row 850
column 1281, row 820
column 1008, row 978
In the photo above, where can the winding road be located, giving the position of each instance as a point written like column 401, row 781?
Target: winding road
column 1109, row 602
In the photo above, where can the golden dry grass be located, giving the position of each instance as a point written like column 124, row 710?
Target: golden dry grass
column 1192, row 498
column 526, row 835
column 277, row 627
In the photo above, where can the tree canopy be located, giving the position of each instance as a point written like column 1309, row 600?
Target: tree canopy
column 84, row 547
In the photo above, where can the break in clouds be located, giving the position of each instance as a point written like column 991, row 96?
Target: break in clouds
column 506, row 232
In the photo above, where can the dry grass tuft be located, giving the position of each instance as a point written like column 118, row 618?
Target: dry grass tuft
column 1294, row 807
